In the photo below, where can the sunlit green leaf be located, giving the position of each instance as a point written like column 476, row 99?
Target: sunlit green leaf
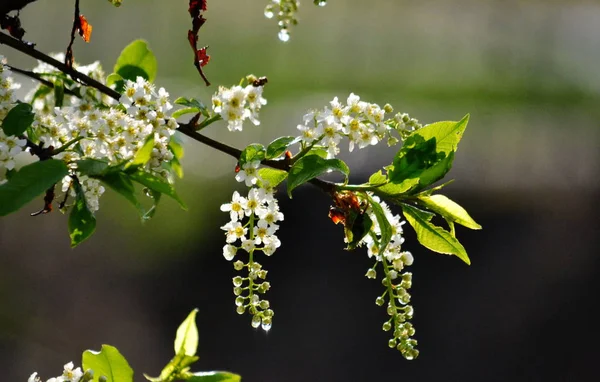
column 186, row 340
column 157, row 184
column 186, row 110
column 121, row 183
column 176, row 146
column 214, row 376
column 252, row 152
column 18, row 119
column 91, row 167
column 431, row 236
column 143, row 155
column 448, row 209
column 384, row 225
column 136, row 60
column 108, row 362
column 272, row 176
column 59, row 93
column 311, row 166
column 82, row 222
column 279, row 146
column 30, row 182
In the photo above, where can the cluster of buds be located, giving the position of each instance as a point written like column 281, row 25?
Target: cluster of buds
column 285, row 10
column 238, row 103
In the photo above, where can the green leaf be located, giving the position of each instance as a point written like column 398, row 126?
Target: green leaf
column 116, row 3
column 378, row 178
column 279, row 146
column 82, row 222
column 176, row 147
column 117, row 80
column 108, row 362
column 192, row 102
column 156, row 199
column 173, row 368
column 186, row 110
column 30, row 182
column 271, row 176
column 143, row 155
column 136, row 60
column 356, row 227
column 18, row 119
column 176, row 167
column 447, row 134
column 384, row 224
column 186, row 340
column 427, row 154
column 157, row 184
column 121, row 183
column 214, row 376
column 252, row 152
column 59, row 93
column 431, row 236
column 448, row 209
column 91, row 167
column 309, row 167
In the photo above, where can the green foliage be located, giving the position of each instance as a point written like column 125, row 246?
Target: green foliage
column 384, row 224
column 135, row 60
column 186, row 345
column 448, row 209
column 431, row 236
column 108, row 363
column 92, row 167
column 192, row 106
column 18, row 119
column 122, row 184
column 186, row 341
column 279, row 146
column 311, row 166
column 143, row 155
column 253, row 152
column 272, row 176
column 156, row 184
column 82, row 222
column 356, row 228
column 214, row 376
column 30, row 182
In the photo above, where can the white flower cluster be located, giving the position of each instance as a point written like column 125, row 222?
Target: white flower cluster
column 236, row 104
column 393, row 252
column 363, row 123
column 109, row 134
column 398, row 308
column 69, row 375
column 257, row 234
column 10, row 146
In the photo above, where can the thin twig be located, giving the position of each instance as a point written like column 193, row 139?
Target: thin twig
column 76, row 24
column 34, row 53
column 39, row 78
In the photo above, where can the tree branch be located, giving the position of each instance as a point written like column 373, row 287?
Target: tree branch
column 39, row 78
column 187, row 129
column 34, row 53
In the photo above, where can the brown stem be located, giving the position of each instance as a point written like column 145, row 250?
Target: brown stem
column 76, row 25
column 39, row 78
column 34, row 53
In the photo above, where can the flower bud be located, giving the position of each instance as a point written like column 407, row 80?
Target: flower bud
column 388, row 108
column 386, row 326
column 379, row 301
column 371, row 274
column 237, row 281
column 240, row 309
column 256, row 321
column 237, row 291
column 238, row 265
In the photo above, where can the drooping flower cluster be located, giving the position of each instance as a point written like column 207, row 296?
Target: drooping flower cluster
column 363, row 123
column 10, row 146
column 69, row 374
column 397, row 284
column 87, row 128
column 260, row 211
column 236, row 104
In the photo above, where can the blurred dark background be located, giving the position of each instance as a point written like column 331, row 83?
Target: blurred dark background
column 527, row 170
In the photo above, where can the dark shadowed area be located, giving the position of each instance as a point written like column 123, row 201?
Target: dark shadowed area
column 527, row 170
